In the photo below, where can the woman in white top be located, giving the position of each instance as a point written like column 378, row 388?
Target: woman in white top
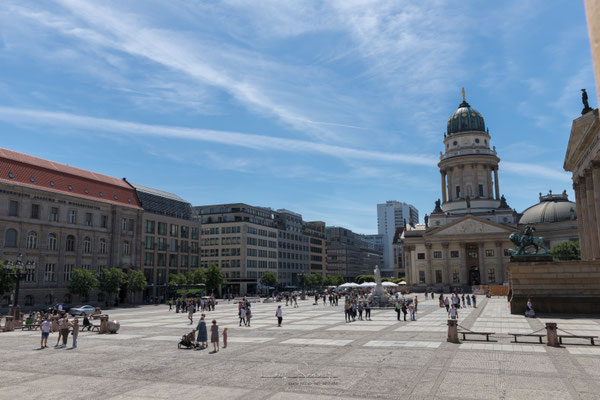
column 453, row 312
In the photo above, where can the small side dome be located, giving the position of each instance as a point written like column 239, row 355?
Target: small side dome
column 551, row 208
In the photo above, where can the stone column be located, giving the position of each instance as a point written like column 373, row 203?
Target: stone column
column 475, row 181
column 496, row 185
column 551, row 335
column 500, row 257
column 444, row 198
column 582, row 210
column 482, row 266
column 461, row 171
column 489, row 182
column 596, row 180
column 450, row 184
column 464, row 269
column 446, row 279
column 452, row 331
column 429, row 271
column 592, row 220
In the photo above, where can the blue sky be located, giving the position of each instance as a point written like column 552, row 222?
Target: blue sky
column 323, row 108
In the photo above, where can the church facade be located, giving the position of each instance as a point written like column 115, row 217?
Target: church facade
column 464, row 242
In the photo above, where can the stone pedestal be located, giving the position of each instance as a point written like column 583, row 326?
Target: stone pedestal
column 9, row 325
column 103, row 324
column 453, row 331
column 15, row 311
column 551, row 335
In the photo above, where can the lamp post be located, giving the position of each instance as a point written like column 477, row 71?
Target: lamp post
column 18, row 270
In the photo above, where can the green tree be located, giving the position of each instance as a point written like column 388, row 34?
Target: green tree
column 111, row 281
column 566, row 251
column 178, row 279
column 269, row 278
column 364, row 278
column 214, row 279
column 136, row 282
column 313, row 280
column 337, row 280
column 6, row 281
column 197, row 276
column 81, row 282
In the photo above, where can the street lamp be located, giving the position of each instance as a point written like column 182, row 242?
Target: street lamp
column 18, row 270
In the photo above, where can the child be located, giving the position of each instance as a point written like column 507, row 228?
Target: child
column 224, row 338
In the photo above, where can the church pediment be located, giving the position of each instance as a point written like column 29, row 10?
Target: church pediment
column 469, row 226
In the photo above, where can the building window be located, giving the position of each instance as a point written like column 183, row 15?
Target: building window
column 454, row 253
column 32, row 240
column 480, row 190
column 13, row 208
column 185, row 231
column 491, row 275
column 124, row 224
column 149, row 226
column 67, row 272
column 184, row 261
column 149, row 243
column 104, row 221
column 102, row 246
column 51, row 241
column 130, row 224
column 35, row 211
column 173, row 260
column 72, row 217
column 87, row 244
column 437, row 254
column 53, row 216
column 161, row 259
column 458, row 192
column 126, row 248
column 70, row 243
column 421, row 276
column 420, row 256
column 10, row 238
column 489, row 252
column 195, row 233
column 88, row 219
column 162, row 244
column 174, row 230
column 455, row 277
column 149, row 259
column 29, row 300
column 438, row 276
column 162, row 228
column 30, row 277
column 49, row 272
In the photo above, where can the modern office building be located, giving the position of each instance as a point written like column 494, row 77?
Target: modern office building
column 348, row 254
column 390, row 216
column 317, row 246
column 240, row 239
column 171, row 238
column 61, row 218
column 293, row 249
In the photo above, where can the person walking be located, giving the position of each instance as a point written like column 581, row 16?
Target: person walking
column 75, row 327
column 347, row 311
column 243, row 315
column 248, row 316
column 404, row 310
column 214, row 335
column 202, row 337
column 411, row 309
column 469, row 300
column 279, row 315
column 416, row 303
column 170, row 304
column 64, row 330
column 398, row 310
column 191, row 313
column 46, row 324
column 474, row 301
column 453, row 312
column 368, row 310
column 224, row 338
column 447, row 304
column 59, row 323
column 463, row 300
column 360, row 311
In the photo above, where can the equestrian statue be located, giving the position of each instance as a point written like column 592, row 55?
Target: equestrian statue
column 527, row 240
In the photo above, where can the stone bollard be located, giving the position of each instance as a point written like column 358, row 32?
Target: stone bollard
column 103, row 323
column 551, row 335
column 453, row 331
column 9, row 324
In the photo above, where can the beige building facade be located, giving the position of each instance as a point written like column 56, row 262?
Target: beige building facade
column 317, row 250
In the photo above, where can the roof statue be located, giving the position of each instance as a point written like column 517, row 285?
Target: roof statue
column 526, row 240
column 438, row 208
column 426, row 221
column 584, row 100
column 503, row 203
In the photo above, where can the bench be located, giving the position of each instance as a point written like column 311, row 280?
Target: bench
column 538, row 335
column 591, row 338
column 486, row 334
column 30, row 327
column 91, row 327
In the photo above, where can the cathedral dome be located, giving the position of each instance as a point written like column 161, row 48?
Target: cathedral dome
column 466, row 118
column 551, row 208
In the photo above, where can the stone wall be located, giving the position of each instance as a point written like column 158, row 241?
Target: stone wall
column 571, row 287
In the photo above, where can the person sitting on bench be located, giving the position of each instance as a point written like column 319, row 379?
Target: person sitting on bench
column 529, row 312
column 86, row 323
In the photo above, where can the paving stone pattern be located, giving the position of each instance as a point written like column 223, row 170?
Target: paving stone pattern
column 314, row 355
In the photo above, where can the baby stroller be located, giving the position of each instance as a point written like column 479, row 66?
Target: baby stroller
column 187, row 341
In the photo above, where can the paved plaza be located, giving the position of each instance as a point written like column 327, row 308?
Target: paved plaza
column 314, row 355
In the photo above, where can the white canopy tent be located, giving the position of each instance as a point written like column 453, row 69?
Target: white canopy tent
column 348, row 285
column 388, row 284
column 367, row 284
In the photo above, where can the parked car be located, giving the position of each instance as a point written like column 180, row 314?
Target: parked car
column 81, row 310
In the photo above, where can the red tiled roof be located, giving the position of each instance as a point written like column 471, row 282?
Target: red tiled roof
column 54, row 177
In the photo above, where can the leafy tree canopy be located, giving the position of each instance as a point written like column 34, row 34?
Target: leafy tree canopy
column 178, row 279
column 81, row 282
column 566, row 251
column 111, row 280
column 269, row 278
column 214, row 278
column 136, row 281
column 197, row 276
column 6, row 281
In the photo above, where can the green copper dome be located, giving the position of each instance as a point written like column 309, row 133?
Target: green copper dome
column 466, row 118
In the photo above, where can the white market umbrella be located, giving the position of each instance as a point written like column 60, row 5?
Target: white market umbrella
column 402, row 283
column 388, row 284
column 367, row 284
column 349, row 285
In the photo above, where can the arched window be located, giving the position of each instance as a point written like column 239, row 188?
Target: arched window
column 51, row 241
column 10, row 238
column 103, row 246
column 29, row 300
column 126, row 248
column 87, row 244
column 70, row 244
column 32, row 240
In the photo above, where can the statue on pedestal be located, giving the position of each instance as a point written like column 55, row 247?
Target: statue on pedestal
column 584, row 100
